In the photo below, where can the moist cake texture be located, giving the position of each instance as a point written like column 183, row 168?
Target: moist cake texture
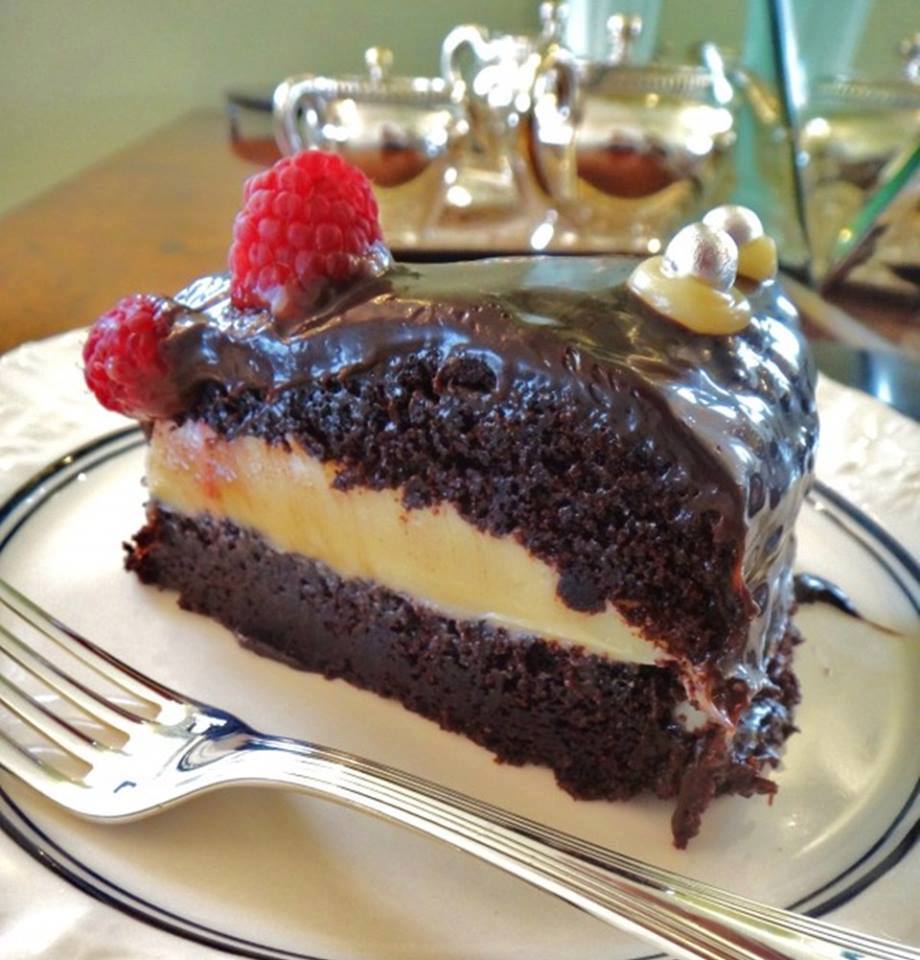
column 627, row 489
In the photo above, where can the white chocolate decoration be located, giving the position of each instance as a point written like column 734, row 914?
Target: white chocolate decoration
column 693, row 282
column 740, row 223
column 702, row 252
column 756, row 251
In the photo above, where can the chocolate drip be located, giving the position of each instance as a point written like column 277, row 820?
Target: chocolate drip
column 810, row 588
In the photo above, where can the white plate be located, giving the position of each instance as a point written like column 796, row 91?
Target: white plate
column 291, row 875
column 298, row 875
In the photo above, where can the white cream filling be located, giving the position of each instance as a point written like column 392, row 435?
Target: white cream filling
column 430, row 554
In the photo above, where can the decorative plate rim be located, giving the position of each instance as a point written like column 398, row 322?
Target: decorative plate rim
column 885, row 852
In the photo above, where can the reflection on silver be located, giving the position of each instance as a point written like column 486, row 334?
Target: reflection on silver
column 859, row 157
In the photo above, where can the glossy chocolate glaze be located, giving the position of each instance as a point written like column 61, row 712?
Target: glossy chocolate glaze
column 738, row 411
column 810, row 588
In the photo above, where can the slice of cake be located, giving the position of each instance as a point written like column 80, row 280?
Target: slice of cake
column 546, row 502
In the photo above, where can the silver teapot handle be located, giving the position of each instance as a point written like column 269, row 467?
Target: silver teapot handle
column 297, row 129
column 556, row 114
column 467, row 35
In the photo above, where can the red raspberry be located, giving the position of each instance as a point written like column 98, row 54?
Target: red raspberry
column 310, row 216
column 122, row 361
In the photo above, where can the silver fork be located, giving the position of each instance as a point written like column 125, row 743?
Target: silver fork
column 184, row 747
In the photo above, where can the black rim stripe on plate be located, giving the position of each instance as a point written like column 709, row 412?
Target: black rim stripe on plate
column 883, row 854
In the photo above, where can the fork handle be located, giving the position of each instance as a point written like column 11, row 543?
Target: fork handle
column 687, row 918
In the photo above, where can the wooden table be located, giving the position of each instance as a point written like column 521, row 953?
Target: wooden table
column 149, row 218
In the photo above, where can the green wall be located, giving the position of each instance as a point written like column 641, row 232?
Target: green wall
column 81, row 78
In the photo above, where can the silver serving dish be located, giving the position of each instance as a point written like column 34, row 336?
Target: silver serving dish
column 403, row 132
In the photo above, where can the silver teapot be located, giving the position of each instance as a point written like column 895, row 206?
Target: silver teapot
column 629, row 152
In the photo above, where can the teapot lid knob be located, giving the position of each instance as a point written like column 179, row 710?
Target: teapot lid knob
column 622, row 30
column 378, row 61
column 909, row 48
column 554, row 15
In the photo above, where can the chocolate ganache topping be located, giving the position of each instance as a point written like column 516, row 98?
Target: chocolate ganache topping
column 735, row 412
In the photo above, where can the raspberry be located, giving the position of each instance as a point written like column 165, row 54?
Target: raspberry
column 122, row 361
column 310, row 217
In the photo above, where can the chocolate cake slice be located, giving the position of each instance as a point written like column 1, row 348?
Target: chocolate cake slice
column 541, row 501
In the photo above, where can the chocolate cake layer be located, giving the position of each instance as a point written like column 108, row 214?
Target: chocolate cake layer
column 429, row 553
column 654, row 468
column 606, row 729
